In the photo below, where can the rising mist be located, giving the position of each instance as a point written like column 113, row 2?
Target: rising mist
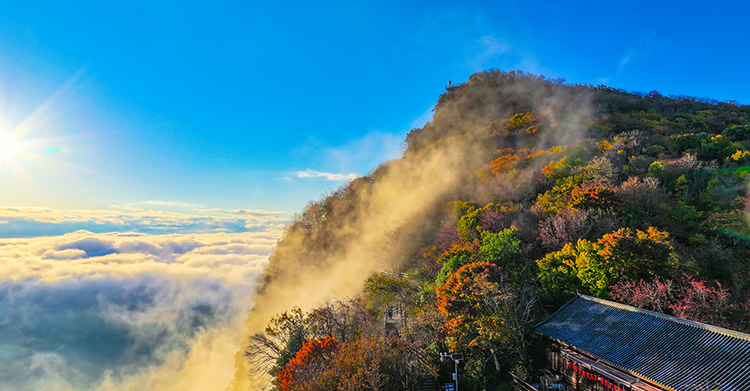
column 380, row 220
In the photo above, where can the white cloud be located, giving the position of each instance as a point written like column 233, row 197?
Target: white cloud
column 494, row 45
column 126, row 311
column 360, row 155
column 327, row 175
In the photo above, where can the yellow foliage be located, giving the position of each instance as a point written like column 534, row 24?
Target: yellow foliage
column 740, row 156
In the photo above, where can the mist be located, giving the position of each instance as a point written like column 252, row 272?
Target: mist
column 378, row 221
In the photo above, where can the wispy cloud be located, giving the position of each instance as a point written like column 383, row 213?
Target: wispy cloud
column 638, row 51
column 270, row 214
column 165, row 308
column 327, row 175
column 365, row 153
column 166, row 203
column 494, row 45
column 489, row 48
column 627, row 58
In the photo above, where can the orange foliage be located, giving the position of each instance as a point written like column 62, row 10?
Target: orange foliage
column 307, row 364
column 503, row 163
column 464, row 291
column 594, row 195
column 463, row 299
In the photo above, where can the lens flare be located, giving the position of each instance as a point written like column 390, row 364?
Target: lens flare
column 8, row 146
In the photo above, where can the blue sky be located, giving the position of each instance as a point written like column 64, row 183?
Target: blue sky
column 195, row 105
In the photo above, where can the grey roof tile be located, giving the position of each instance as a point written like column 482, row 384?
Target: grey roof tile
column 677, row 353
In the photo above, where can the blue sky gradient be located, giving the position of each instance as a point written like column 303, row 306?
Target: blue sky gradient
column 222, row 104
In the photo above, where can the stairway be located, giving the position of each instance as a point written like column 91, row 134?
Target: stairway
column 428, row 383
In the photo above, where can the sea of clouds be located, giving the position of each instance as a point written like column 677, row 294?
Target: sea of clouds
column 127, row 310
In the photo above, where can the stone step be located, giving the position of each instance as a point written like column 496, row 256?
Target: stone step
column 428, row 383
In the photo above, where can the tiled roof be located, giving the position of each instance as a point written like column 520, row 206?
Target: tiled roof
column 671, row 352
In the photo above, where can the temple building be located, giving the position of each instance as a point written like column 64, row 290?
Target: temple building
column 606, row 346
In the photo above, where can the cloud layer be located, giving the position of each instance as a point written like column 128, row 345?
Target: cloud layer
column 126, row 311
column 28, row 222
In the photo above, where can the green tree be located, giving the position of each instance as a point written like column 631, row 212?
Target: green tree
column 393, row 289
column 454, row 259
column 502, row 248
column 558, row 271
column 468, row 225
column 594, row 267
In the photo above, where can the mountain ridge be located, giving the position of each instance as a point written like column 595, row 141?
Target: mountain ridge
column 557, row 188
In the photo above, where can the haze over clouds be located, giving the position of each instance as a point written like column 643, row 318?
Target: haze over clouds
column 125, row 311
column 28, row 221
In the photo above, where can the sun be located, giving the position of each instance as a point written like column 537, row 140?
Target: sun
column 9, row 147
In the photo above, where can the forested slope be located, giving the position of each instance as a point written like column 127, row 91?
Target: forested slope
column 521, row 191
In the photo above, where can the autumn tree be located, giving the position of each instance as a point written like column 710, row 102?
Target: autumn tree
column 687, row 297
column 522, row 121
column 486, row 311
column 453, row 259
column 655, row 295
column 393, row 289
column 374, row 363
column 593, row 195
column 283, row 337
column 594, row 267
column 302, row 371
column 286, row 333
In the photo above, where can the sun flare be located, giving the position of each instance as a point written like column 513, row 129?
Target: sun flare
column 9, row 147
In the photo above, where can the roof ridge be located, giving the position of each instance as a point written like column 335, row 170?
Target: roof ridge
column 670, row 318
column 553, row 314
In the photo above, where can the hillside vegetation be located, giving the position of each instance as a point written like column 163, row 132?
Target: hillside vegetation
column 519, row 193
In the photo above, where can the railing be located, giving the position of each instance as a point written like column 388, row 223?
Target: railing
column 452, row 86
column 521, row 384
column 546, row 383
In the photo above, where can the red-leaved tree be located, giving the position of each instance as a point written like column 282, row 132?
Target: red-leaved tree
column 308, row 364
column 688, row 298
